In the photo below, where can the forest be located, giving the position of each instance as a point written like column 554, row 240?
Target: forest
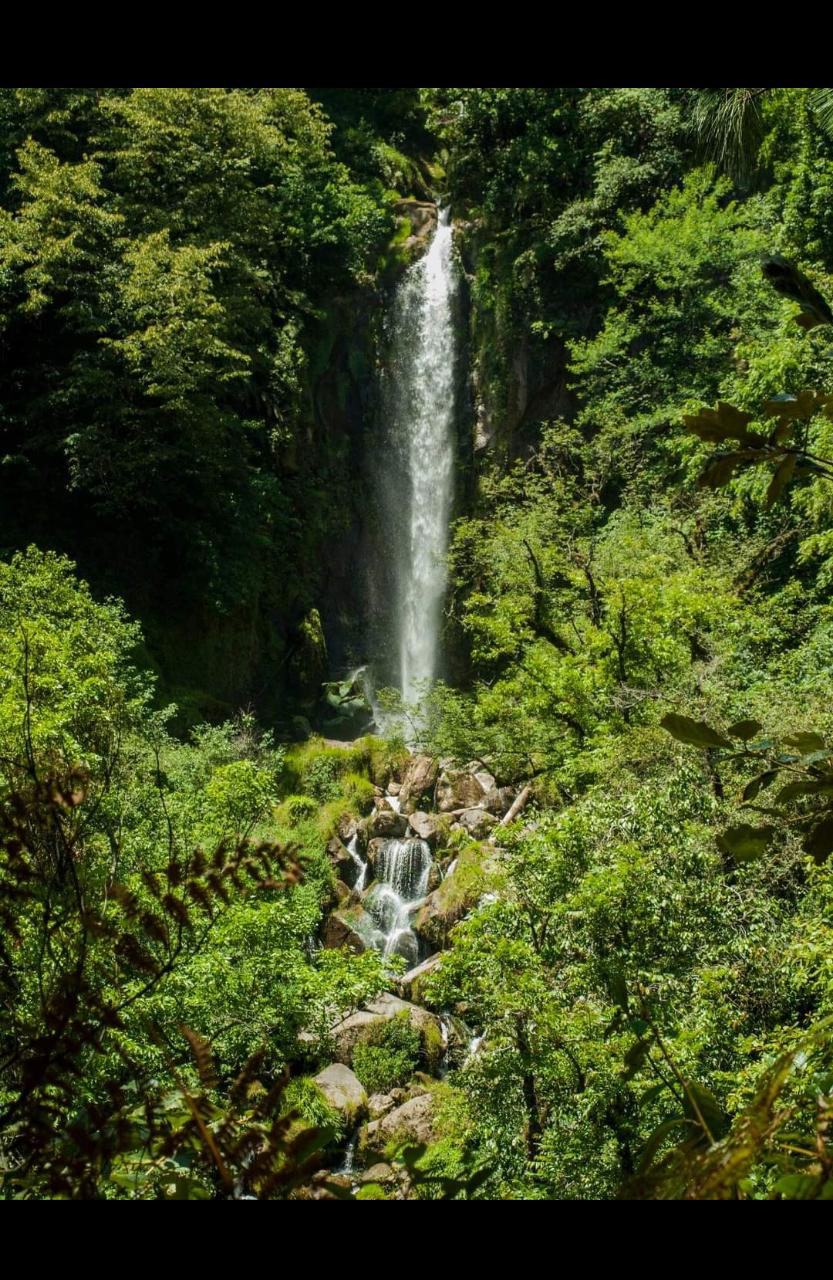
column 416, row 644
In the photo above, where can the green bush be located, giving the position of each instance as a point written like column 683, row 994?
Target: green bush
column 389, row 1056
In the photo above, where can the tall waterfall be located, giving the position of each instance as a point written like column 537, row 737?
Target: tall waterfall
column 419, row 402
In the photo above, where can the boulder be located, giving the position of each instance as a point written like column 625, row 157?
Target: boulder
column 360, row 1026
column 499, row 800
column 430, row 827
column 394, row 788
column 482, row 776
column 381, row 1173
column 459, row 789
column 476, row 822
column 343, row 1091
column 374, row 850
column 414, row 1120
column 324, row 1185
column 410, row 984
column 350, row 927
column 385, row 824
column 460, row 891
column 379, row 1104
column 418, row 782
column 339, row 857
column 347, row 827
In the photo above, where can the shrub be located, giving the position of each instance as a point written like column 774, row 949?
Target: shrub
column 389, row 1056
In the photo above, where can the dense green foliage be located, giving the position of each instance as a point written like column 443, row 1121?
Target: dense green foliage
column 656, row 949
column 640, row 575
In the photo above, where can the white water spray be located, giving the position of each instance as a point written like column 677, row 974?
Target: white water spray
column 420, row 404
column 402, row 872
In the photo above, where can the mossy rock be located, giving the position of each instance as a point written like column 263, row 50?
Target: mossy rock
column 459, row 893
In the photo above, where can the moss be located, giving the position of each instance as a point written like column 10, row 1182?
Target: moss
column 433, row 1046
column 372, row 1191
column 358, row 793
column 389, row 1054
column 463, row 887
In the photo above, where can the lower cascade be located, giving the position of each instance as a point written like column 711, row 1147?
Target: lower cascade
column 402, row 871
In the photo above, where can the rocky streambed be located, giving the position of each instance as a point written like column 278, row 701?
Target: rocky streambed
column 406, row 874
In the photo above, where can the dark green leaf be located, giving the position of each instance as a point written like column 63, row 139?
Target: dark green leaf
column 819, row 843
column 745, row 843
column 694, row 733
column 744, row 729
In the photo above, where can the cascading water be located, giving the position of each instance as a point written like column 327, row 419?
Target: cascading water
column 360, row 865
column 402, row 871
column 419, row 403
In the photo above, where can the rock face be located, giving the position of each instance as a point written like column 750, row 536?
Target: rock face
column 359, row 1026
column 414, row 1120
column 422, row 215
column 343, row 1091
column 418, row 783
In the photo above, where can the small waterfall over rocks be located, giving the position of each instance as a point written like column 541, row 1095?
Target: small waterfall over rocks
column 402, row 871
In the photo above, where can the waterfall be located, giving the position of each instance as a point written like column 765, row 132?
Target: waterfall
column 359, row 863
column 402, row 871
column 419, row 404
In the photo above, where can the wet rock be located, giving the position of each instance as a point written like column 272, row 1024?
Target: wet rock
column 338, row 855
column 418, row 783
column 394, row 788
column 343, row 1091
column 374, row 851
column 347, row 827
column 343, row 892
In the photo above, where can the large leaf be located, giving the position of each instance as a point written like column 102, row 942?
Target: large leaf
column 785, row 277
column 808, row 787
column 695, row 733
column 745, row 843
column 781, row 478
column 701, row 1106
column 819, row 843
column 759, row 784
column 724, row 423
column 744, row 729
column 805, row 742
